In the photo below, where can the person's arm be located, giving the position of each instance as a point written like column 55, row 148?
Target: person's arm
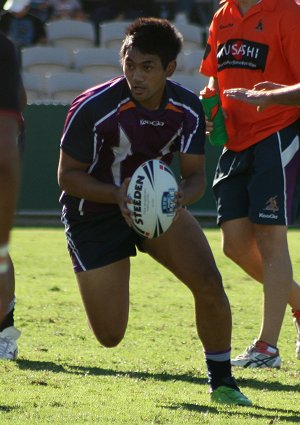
column 75, row 181
column 193, row 178
column 266, row 94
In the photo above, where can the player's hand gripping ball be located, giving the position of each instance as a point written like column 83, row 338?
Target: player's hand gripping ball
column 152, row 189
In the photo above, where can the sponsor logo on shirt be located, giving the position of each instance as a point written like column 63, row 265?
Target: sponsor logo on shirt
column 259, row 26
column 223, row 27
column 239, row 53
column 154, row 123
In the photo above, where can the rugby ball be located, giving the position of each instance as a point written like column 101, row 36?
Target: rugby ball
column 152, row 189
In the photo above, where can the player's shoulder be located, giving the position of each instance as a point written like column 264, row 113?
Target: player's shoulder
column 288, row 7
column 100, row 98
column 289, row 13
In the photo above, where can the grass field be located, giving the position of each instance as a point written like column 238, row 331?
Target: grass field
column 157, row 375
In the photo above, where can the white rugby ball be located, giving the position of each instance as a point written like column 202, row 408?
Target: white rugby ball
column 152, row 189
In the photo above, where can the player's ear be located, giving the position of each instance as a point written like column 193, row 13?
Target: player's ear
column 171, row 68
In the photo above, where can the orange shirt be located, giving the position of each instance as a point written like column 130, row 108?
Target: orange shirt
column 262, row 45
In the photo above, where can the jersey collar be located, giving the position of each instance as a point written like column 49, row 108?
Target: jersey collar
column 265, row 4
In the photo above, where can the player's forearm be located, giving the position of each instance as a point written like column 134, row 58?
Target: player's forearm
column 193, row 188
column 286, row 96
column 82, row 185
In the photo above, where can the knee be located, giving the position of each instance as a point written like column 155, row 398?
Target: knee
column 230, row 250
column 108, row 340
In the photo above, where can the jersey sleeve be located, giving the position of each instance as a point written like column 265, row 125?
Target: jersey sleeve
column 209, row 64
column 193, row 135
column 78, row 137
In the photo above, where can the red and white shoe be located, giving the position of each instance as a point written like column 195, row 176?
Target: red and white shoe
column 258, row 355
column 297, row 326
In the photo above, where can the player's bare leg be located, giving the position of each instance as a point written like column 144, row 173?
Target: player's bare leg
column 240, row 243
column 105, row 294
column 184, row 250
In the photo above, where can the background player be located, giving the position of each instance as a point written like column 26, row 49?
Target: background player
column 250, row 42
column 109, row 131
column 12, row 99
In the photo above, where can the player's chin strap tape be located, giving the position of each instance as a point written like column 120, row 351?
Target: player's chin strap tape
column 4, row 264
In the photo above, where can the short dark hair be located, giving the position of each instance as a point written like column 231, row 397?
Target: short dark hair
column 154, row 36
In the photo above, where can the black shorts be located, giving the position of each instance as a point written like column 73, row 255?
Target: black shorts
column 96, row 240
column 261, row 181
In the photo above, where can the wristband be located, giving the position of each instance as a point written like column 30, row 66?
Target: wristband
column 4, row 267
column 3, row 250
column 4, row 264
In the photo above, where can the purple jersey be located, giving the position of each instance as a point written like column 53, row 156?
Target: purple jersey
column 106, row 129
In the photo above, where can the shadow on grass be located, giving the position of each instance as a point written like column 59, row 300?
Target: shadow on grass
column 97, row 371
column 144, row 375
column 274, row 413
column 7, row 409
column 231, row 411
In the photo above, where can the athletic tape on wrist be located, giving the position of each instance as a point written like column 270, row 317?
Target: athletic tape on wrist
column 3, row 250
column 4, row 267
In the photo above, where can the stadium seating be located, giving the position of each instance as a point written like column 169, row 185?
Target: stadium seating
column 192, row 61
column 71, row 33
column 192, row 36
column 101, row 62
column 45, row 59
column 72, row 62
column 195, row 83
column 112, row 34
column 35, row 86
column 65, row 86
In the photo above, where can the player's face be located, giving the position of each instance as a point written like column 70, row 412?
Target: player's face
column 146, row 77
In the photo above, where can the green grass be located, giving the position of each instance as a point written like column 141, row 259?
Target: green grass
column 157, row 375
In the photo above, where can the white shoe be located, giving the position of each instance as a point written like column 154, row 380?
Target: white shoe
column 297, row 325
column 8, row 343
column 258, row 355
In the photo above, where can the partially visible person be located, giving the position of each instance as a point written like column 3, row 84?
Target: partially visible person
column 266, row 94
column 20, row 26
column 252, row 41
column 109, row 131
column 67, row 9
column 132, row 9
column 119, row 10
column 12, row 101
column 42, row 9
column 194, row 11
